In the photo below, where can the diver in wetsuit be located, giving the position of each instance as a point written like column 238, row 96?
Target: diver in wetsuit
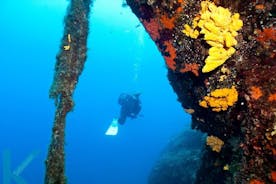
column 130, row 106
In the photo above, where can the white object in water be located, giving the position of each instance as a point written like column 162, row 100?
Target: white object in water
column 113, row 128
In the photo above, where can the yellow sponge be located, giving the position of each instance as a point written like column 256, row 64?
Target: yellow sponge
column 220, row 99
column 217, row 56
column 219, row 28
column 215, row 143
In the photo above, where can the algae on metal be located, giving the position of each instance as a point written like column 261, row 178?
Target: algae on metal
column 70, row 62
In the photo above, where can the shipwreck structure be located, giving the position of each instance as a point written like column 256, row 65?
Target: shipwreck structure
column 221, row 59
column 221, row 62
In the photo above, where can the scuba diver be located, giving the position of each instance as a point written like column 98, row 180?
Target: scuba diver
column 130, row 107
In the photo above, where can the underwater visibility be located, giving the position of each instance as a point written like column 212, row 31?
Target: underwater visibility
column 138, row 91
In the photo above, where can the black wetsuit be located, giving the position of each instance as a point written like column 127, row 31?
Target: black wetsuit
column 130, row 106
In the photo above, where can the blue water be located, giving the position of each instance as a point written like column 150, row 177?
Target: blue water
column 121, row 58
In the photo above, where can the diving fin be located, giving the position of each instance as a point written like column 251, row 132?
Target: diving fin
column 113, row 128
